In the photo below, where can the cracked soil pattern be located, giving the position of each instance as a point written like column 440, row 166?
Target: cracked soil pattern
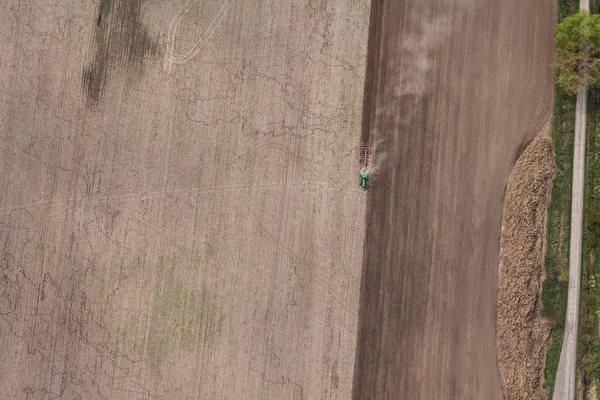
column 188, row 233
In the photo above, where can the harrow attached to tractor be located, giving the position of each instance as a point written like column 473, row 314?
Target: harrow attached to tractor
column 365, row 154
column 365, row 158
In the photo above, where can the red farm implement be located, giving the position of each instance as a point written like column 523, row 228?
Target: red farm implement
column 365, row 154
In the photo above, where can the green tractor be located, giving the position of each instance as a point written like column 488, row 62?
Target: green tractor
column 365, row 158
column 364, row 180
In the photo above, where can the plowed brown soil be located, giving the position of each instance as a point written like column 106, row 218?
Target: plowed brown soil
column 455, row 90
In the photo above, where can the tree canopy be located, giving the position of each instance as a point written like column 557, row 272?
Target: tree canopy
column 578, row 52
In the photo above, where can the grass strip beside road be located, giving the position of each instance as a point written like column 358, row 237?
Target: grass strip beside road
column 588, row 346
column 552, row 358
column 555, row 287
column 588, row 351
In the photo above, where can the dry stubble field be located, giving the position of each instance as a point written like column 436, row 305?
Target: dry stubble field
column 179, row 211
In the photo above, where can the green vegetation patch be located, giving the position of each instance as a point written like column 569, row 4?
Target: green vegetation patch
column 552, row 358
column 181, row 319
column 578, row 52
column 555, row 288
column 588, row 345
column 588, row 351
column 568, row 7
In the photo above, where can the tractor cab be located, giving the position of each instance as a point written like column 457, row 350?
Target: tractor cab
column 364, row 180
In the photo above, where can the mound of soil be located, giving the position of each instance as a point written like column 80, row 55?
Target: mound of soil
column 522, row 334
column 586, row 390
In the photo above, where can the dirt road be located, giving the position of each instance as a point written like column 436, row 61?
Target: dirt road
column 180, row 214
column 454, row 91
column 565, row 386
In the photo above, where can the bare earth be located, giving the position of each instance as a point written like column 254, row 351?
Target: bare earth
column 456, row 89
column 523, row 335
column 179, row 208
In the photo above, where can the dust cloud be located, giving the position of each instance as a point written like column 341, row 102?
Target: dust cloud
column 379, row 157
column 413, row 77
